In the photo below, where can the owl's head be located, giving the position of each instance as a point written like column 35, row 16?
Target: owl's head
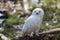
column 38, row 12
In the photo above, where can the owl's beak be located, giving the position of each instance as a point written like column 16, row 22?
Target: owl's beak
column 37, row 13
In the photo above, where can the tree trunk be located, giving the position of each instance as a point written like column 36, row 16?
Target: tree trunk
column 26, row 6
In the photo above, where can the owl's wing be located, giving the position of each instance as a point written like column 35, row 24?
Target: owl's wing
column 28, row 24
column 29, row 18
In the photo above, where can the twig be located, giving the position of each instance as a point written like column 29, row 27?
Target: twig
column 52, row 31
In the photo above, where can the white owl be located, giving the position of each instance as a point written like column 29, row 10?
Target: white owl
column 32, row 24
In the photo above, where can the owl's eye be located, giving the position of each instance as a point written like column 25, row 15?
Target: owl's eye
column 39, row 11
column 35, row 11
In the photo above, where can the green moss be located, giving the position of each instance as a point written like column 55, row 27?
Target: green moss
column 8, row 25
column 10, row 21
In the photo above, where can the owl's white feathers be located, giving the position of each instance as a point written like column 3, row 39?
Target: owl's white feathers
column 32, row 24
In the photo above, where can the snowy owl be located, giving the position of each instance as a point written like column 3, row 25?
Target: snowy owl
column 32, row 24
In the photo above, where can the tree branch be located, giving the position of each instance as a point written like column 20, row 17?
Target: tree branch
column 50, row 34
column 52, row 31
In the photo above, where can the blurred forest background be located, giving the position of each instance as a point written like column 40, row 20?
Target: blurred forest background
column 19, row 10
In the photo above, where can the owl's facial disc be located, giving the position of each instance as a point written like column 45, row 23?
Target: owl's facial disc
column 38, row 12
